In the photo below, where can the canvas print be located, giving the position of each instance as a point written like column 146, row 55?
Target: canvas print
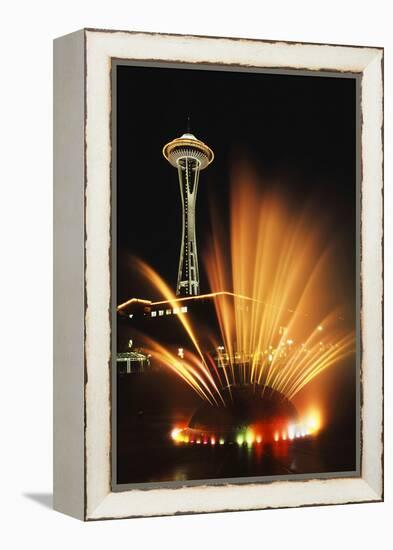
column 235, row 279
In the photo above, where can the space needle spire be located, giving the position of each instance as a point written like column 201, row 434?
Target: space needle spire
column 189, row 155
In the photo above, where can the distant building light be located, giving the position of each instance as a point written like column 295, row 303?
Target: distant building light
column 180, row 353
column 290, row 342
column 183, row 309
column 154, row 314
column 161, row 312
column 168, row 312
column 131, row 315
column 176, row 310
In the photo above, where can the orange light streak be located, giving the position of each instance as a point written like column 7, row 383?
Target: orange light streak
column 281, row 318
column 282, row 263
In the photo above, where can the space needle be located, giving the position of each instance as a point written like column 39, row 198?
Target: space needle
column 189, row 155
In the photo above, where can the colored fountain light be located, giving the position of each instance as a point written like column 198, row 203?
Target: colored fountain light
column 176, row 434
column 253, row 410
column 250, row 438
column 291, row 431
column 246, row 436
column 249, row 410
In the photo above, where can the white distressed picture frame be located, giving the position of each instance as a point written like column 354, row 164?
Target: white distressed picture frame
column 82, row 272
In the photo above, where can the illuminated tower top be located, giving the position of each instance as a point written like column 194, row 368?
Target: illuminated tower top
column 189, row 155
column 188, row 146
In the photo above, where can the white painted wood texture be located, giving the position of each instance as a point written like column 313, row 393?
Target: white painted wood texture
column 69, row 277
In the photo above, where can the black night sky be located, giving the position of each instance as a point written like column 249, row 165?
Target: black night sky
column 299, row 131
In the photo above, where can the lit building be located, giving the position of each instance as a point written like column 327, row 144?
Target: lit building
column 189, row 156
column 159, row 320
column 131, row 361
